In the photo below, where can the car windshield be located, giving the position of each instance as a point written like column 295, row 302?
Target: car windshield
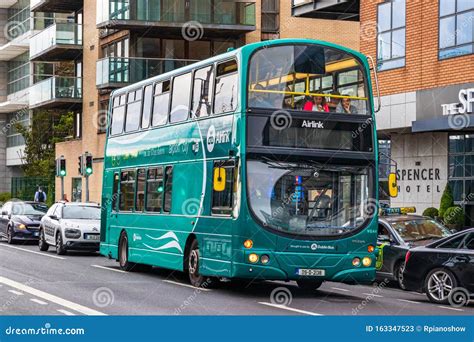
column 304, row 198
column 29, row 209
column 420, row 229
column 81, row 212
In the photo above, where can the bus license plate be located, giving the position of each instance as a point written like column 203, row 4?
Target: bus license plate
column 92, row 237
column 311, row 272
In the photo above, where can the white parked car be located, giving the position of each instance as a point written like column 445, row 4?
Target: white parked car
column 71, row 226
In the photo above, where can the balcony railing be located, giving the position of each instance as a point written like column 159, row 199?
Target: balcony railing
column 119, row 71
column 111, row 13
column 66, row 36
column 56, row 90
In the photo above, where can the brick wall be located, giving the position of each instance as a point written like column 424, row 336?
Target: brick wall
column 422, row 69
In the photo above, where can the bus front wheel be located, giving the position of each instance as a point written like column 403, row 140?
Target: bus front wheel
column 123, row 254
column 193, row 263
column 308, row 284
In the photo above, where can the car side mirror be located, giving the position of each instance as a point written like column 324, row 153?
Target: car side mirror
column 53, row 217
column 4, row 213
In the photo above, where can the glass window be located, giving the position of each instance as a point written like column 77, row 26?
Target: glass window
column 391, row 35
column 81, row 212
column 161, row 103
column 127, row 190
column 140, row 198
column 180, row 98
column 154, row 190
column 118, row 115
column 469, row 242
column 222, row 201
column 307, row 77
column 115, row 191
column 419, row 229
column 134, row 106
column 456, row 166
column 452, row 243
column 456, row 29
column 202, row 92
column 147, row 106
column 168, row 189
column 225, row 95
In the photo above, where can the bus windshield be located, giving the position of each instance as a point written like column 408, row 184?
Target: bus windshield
column 308, row 78
column 305, row 198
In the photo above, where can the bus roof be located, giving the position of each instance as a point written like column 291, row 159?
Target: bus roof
column 246, row 50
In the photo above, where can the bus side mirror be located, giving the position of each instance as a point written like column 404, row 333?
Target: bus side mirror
column 219, row 179
column 392, row 185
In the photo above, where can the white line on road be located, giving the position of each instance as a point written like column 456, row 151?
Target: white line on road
column 372, row 295
column 408, row 301
column 449, row 308
column 339, row 289
column 67, row 313
column 186, row 285
column 34, row 252
column 108, row 268
column 51, row 298
column 18, row 293
column 37, row 301
column 284, row 307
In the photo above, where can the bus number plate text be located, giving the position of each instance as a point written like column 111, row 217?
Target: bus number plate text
column 311, row 272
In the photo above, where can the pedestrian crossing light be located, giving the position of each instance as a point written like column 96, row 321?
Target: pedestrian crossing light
column 88, row 164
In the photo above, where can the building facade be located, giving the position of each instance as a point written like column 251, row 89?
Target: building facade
column 125, row 41
column 424, row 52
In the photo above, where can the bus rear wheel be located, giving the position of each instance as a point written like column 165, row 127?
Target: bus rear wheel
column 193, row 262
column 309, row 284
column 123, row 254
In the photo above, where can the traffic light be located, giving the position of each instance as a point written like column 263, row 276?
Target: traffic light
column 80, row 165
column 61, row 167
column 88, row 170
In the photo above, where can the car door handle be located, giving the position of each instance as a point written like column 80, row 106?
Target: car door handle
column 463, row 258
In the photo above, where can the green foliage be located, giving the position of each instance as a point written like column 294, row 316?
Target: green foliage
column 5, row 196
column 454, row 215
column 447, row 200
column 431, row 212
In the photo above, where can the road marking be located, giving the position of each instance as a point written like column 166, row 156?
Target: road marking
column 40, row 302
column 109, row 268
column 186, row 285
column 372, row 295
column 34, row 252
column 67, row 313
column 284, row 307
column 50, row 298
column 339, row 289
column 408, row 301
column 18, row 293
column 449, row 308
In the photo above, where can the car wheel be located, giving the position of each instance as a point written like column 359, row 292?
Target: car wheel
column 60, row 249
column 439, row 284
column 10, row 238
column 42, row 244
column 193, row 262
column 123, row 254
column 398, row 273
column 308, row 284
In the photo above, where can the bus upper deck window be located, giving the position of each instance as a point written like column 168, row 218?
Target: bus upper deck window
column 181, row 93
column 225, row 95
column 161, row 103
column 147, row 106
column 202, row 92
column 134, row 106
column 118, row 115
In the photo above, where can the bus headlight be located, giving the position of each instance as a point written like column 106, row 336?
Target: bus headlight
column 366, row 261
column 264, row 259
column 356, row 262
column 253, row 258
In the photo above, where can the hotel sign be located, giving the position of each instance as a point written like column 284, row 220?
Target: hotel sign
column 464, row 106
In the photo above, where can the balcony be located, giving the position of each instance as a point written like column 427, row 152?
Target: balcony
column 326, row 9
column 60, row 41
column 56, row 92
column 116, row 72
column 56, row 6
column 199, row 18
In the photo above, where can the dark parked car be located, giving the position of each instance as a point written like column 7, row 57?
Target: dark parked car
column 21, row 220
column 444, row 269
column 398, row 232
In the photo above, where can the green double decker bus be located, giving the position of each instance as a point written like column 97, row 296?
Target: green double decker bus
column 260, row 163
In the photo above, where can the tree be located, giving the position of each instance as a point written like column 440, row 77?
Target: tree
column 447, row 200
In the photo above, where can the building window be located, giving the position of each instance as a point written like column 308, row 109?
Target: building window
column 456, row 29
column 18, row 75
column 270, row 16
column 14, row 138
column 391, row 35
column 76, row 191
column 384, row 170
column 461, row 172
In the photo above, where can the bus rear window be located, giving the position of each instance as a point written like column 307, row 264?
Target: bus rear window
column 310, row 78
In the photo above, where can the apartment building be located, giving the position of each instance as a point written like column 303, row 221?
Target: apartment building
column 124, row 41
column 425, row 65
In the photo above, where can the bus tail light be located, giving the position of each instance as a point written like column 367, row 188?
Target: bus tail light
column 366, row 261
column 356, row 262
column 248, row 243
column 370, row 249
